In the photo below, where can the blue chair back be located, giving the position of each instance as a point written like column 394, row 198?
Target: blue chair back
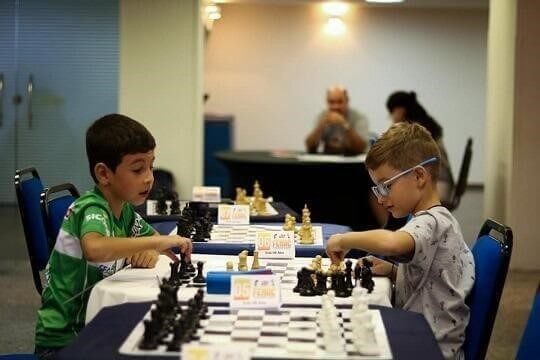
column 54, row 208
column 491, row 257
column 529, row 348
column 28, row 187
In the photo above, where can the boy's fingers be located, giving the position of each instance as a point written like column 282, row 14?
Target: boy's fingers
column 169, row 253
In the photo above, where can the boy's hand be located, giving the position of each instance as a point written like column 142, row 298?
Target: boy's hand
column 380, row 267
column 334, row 250
column 144, row 259
column 176, row 241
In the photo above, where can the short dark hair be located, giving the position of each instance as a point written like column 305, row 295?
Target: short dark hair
column 113, row 136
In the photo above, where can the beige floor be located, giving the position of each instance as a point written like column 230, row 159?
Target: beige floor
column 19, row 300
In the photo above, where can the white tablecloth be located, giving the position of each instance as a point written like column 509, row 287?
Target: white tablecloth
column 139, row 285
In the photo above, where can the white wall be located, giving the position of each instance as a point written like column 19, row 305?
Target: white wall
column 269, row 66
column 524, row 202
column 161, row 81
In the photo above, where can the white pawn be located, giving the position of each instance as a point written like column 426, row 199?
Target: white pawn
column 369, row 344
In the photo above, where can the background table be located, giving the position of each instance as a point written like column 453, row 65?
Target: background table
column 409, row 334
column 234, row 248
column 335, row 191
column 137, row 285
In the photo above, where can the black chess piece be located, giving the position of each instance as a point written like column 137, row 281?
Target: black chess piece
column 207, row 225
column 178, row 334
column 308, row 288
column 320, row 287
column 199, row 231
column 183, row 274
column 161, row 206
column 150, row 339
column 175, row 205
column 348, row 275
column 367, row 276
column 299, row 279
column 184, row 226
column 357, row 273
column 173, row 279
column 199, row 278
column 341, row 287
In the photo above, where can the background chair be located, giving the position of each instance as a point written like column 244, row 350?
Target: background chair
column 28, row 187
column 529, row 347
column 491, row 257
column 54, row 207
column 461, row 185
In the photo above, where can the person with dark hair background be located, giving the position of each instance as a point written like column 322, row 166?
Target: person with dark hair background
column 403, row 106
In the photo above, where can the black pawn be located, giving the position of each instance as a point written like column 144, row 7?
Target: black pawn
column 348, row 275
column 367, row 276
column 199, row 278
column 341, row 288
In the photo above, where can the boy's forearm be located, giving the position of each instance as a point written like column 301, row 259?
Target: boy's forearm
column 102, row 249
column 382, row 242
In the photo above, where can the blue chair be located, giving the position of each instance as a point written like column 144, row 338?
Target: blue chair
column 54, row 207
column 491, row 257
column 529, row 347
column 28, row 187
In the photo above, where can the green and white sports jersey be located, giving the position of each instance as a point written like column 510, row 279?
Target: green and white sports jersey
column 70, row 277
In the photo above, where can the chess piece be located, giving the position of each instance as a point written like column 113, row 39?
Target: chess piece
column 299, row 283
column 320, row 287
column 242, row 261
column 308, row 288
column 199, row 231
column 259, row 202
column 230, row 266
column 255, row 265
column 241, row 196
column 199, row 278
column 161, row 206
column 306, row 233
column 184, row 226
column 318, row 260
column 367, row 275
column 348, row 275
column 207, row 225
column 175, row 205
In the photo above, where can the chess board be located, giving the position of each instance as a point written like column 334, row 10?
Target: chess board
column 248, row 233
column 288, row 333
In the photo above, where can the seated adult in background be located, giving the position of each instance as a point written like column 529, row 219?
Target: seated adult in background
column 403, row 106
column 341, row 129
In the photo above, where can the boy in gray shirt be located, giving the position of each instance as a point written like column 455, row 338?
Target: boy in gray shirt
column 437, row 268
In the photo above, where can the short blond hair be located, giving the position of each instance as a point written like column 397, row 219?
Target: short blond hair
column 403, row 146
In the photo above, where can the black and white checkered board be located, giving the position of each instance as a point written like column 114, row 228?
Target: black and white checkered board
column 248, row 233
column 290, row 333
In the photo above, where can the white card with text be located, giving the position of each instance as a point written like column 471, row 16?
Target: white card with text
column 233, row 214
column 275, row 244
column 255, row 292
column 207, row 194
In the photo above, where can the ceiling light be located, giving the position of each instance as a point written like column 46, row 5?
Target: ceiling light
column 335, row 8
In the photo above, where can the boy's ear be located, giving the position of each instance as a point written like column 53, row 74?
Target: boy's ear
column 102, row 173
column 421, row 175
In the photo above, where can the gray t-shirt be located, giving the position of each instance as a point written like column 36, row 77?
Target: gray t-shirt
column 336, row 134
column 438, row 277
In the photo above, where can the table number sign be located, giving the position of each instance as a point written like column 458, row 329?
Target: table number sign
column 255, row 291
column 233, row 214
column 275, row 244
column 207, row 194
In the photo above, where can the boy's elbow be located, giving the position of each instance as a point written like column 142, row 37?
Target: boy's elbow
column 93, row 252
column 396, row 245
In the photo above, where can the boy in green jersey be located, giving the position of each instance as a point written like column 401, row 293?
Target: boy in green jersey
column 101, row 232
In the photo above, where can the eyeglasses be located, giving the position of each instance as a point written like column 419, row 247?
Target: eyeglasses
column 383, row 189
